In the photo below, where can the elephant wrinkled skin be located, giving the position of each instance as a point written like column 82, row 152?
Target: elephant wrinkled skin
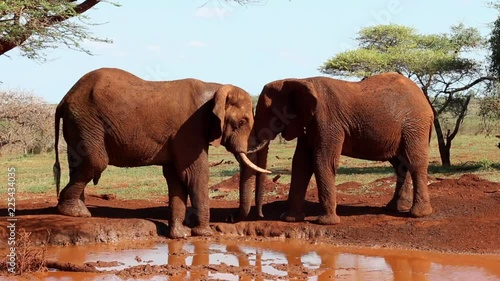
column 385, row 117
column 111, row 117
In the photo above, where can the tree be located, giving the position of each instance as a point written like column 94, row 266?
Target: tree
column 494, row 41
column 36, row 25
column 441, row 64
column 489, row 112
column 26, row 122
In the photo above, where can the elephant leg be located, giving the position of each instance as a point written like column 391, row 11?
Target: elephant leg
column 324, row 169
column 418, row 159
column 302, row 170
column 402, row 199
column 421, row 200
column 195, row 178
column 70, row 200
column 177, row 198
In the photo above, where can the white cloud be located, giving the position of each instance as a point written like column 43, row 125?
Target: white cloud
column 212, row 12
column 197, row 44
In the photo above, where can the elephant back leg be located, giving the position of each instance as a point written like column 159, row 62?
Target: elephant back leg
column 416, row 151
column 402, row 199
column 87, row 160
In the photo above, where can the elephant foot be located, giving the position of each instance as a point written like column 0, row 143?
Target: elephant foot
column 328, row 219
column 73, row 208
column 292, row 216
column 179, row 231
column 401, row 205
column 421, row 210
column 202, row 231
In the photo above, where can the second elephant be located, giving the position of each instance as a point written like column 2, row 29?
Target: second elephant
column 385, row 117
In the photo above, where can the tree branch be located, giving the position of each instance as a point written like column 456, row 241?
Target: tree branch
column 7, row 45
column 470, row 85
column 450, row 137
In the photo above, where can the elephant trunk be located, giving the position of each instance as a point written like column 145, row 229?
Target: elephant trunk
column 259, row 183
column 247, row 184
column 252, row 176
column 258, row 147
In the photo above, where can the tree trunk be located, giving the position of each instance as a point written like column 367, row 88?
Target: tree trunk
column 444, row 147
column 444, row 142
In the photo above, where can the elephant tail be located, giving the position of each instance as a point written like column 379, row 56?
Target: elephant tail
column 57, row 166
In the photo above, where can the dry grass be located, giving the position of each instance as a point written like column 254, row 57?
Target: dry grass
column 470, row 154
column 29, row 258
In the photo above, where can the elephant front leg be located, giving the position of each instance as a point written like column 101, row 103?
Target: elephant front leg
column 177, row 195
column 195, row 178
column 302, row 170
column 325, row 167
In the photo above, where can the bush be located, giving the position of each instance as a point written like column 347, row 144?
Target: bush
column 26, row 123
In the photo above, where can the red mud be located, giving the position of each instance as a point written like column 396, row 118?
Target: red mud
column 466, row 218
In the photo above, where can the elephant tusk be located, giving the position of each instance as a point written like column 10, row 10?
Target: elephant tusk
column 258, row 147
column 252, row 165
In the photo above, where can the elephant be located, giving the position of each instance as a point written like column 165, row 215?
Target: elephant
column 385, row 117
column 112, row 117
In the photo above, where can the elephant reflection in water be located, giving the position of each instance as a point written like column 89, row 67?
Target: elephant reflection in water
column 201, row 256
column 415, row 269
column 330, row 265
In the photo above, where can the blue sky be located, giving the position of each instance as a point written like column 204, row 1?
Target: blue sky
column 247, row 46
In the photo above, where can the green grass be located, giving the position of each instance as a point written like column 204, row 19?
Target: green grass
column 470, row 154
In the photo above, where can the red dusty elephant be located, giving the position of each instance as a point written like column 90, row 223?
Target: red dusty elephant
column 111, row 117
column 385, row 117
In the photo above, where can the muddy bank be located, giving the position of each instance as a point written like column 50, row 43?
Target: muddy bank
column 257, row 258
column 466, row 218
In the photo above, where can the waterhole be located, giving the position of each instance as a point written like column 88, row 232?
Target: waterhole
column 267, row 260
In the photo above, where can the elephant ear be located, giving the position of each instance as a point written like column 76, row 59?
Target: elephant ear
column 219, row 113
column 302, row 101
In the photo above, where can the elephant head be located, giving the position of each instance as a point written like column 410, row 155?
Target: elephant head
column 232, row 123
column 286, row 107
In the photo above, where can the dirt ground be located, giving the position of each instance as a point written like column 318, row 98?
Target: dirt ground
column 466, row 218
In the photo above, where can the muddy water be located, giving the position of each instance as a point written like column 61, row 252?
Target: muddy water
column 274, row 259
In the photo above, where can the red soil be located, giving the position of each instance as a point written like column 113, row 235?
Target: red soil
column 466, row 218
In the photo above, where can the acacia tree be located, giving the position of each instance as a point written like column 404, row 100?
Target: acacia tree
column 494, row 41
column 438, row 63
column 36, row 25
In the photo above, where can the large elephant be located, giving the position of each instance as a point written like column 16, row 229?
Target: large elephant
column 385, row 117
column 111, row 117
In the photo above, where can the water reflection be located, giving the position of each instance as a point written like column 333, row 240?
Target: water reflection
column 288, row 259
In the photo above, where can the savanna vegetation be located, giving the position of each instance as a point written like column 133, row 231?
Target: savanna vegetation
column 467, row 108
column 474, row 152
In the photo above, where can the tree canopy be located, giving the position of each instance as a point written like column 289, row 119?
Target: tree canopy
column 441, row 64
column 494, row 41
column 36, row 25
